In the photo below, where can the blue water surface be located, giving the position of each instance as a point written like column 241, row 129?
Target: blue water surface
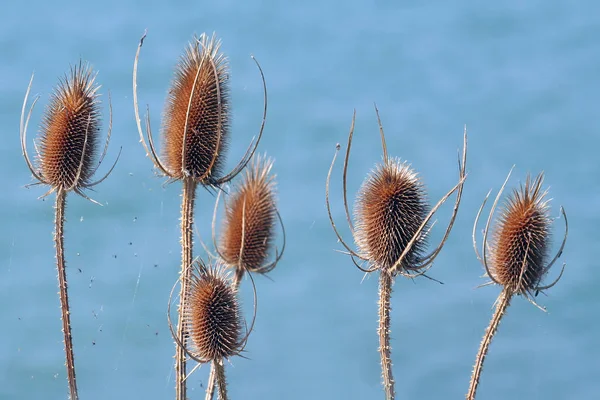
column 523, row 77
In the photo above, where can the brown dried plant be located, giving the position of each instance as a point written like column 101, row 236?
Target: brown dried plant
column 249, row 225
column 212, row 319
column 392, row 223
column 248, row 229
column 68, row 147
column 518, row 254
column 195, row 135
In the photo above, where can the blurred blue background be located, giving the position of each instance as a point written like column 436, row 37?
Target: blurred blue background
column 523, row 77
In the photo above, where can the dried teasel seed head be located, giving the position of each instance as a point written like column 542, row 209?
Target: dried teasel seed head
column 195, row 121
column 521, row 238
column 212, row 315
column 250, row 216
column 69, row 131
column 390, row 208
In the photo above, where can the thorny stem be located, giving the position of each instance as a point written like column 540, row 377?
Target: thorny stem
column 61, row 199
column 212, row 380
column 502, row 304
column 187, row 219
column 385, row 293
column 210, row 387
column 221, row 382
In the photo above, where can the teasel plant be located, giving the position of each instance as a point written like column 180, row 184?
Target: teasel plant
column 195, row 137
column 248, row 229
column 67, row 160
column 518, row 253
column 213, row 326
column 392, row 222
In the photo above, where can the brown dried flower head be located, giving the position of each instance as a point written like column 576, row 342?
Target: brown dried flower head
column 250, row 216
column 390, row 207
column 212, row 317
column 70, row 130
column 196, row 121
column 521, row 237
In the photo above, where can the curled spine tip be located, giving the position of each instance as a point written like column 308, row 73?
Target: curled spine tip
column 212, row 316
column 519, row 247
column 69, row 131
column 390, row 208
column 196, row 120
column 250, row 218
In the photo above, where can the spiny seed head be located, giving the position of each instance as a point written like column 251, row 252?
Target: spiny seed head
column 69, row 130
column 212, row 316
column 521, row 238
column 390, row 208
column 250, row 218
column 195, row 121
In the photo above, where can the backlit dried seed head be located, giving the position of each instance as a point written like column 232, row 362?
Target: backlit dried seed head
column 521, row 238
column 250, row 217
column 69, row 131
column 390, row 208
column 196, row 122
column 212, row 315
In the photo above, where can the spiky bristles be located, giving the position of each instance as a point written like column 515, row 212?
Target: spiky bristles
column 212, row 316
column 390, row 207
column 69, row 130
column 250, row 217
column 196, row 121
column 521, row 238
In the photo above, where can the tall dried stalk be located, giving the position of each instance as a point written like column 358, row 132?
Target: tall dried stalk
column 195, row 136
column 248, row 230
column 519, row 250
column 68, row 145
column 392, row 222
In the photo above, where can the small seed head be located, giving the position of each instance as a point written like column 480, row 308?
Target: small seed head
column 521, row 238
column 196, row 121
column 70, row 129
column 212, row 316
column 250, row 218
column 389, row 210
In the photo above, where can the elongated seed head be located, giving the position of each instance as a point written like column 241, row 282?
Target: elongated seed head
column 195, row 121
column 250, row 217
column 212, row 316
column 390, row 208
column 521, row 238
column 70, row 129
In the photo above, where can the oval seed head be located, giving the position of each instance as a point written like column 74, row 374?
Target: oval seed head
column 69, row 130
column 521, row 238
column 390, row 208
column 212, row 317
column 196, row 122
column 250, row 218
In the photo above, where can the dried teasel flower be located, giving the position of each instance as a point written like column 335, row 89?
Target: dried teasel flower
column 68, row 146
column 212, row 318
column 518, row 255
column 69, row 134
column 392, row 221
column 521, row 239
column 249, row 223
column 195, row 130
column 390, row 208
column 392, row 214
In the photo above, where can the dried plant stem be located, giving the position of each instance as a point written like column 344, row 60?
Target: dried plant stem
column 221, row 382
column 502, row 304
column 61, row 200
column 385, row 293
column 187, row 220
column 212, row 378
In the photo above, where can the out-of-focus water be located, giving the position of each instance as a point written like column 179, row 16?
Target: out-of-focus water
column 524, row 78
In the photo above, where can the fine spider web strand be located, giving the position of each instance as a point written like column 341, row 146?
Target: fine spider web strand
column 127, row 323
